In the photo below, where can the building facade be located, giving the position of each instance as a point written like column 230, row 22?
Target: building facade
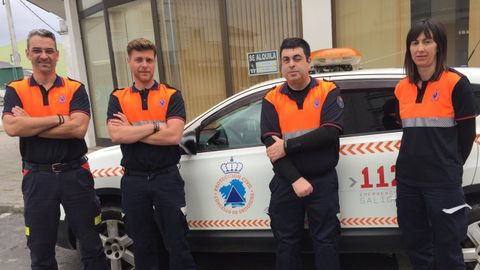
column 204, row 45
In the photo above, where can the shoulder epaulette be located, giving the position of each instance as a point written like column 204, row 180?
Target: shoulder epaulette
column 70, row 79
column 15, row 81
column 169, row 86
column 324, row 79
column 117, row 89
column 270, row 89
column 456, row 72
column 332, row 85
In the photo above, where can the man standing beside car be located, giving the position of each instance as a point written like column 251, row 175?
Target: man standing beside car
column 50, row 114
column 147, row 119
column 300, row 124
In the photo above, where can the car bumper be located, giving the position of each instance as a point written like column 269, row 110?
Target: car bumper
column 378, row 240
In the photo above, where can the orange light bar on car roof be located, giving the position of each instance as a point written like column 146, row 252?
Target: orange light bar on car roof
column 335, row 56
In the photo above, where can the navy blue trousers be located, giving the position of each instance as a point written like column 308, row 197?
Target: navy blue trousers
column 74, row 189
column 154, row 205
column 287, row 214
column 433, row 237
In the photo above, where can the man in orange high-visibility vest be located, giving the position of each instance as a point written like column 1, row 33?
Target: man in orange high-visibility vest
column 300, row 124
column 50, row 114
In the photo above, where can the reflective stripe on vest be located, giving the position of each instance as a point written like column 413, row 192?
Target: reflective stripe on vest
column 428, row 122
column 59, row 97
column 294, row 134
column 294, row 122
column 131, row 104
column 435, row 109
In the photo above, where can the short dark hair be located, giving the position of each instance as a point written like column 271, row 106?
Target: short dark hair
column 292, row 43
column 431, row 29
column 41, row 33
column 140, row 45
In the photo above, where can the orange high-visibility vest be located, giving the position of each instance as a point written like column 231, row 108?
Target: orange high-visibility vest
column 294, row 122
column 158, row 100
column 59, row 98
column 435, row 109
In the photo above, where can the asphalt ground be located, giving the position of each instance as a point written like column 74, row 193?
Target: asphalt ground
column 10, row 174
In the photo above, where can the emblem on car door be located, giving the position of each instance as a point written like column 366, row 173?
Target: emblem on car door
column 233, row 193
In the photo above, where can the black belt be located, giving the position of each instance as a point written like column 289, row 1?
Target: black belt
column 56, row 167
column 151, row 172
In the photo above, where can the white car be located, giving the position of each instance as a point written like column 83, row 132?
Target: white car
column 226, row 174
column 2, row 95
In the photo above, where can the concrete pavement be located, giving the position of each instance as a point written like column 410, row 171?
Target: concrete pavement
column 11, row 199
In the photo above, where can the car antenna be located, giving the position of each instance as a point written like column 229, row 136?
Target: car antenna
column 470, row 56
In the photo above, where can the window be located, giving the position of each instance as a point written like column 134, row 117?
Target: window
column 368, row 110
column 98, row 69
column 239, row 128
column 194, row 35
column 378, row 29
column 375, row 110
column 258, row 25
column 191, row 39
column 127, row 22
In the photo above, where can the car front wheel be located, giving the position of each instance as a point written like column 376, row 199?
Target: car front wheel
column 117, row 245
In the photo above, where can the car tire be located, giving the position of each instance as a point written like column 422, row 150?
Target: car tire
column 116, row 243
column 471, row 246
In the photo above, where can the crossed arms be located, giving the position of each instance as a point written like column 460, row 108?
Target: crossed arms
column 122, row 131
column 20, row 123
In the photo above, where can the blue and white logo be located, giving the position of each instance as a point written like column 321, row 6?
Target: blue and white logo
column 233, row 193
column 62, row 99
column 340, row 102
column 435, row 95
column 162, row 102
column 316, row 103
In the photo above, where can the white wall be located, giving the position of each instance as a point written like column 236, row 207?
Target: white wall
column 317, row 23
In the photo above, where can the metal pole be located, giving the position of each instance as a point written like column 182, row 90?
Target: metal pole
column 13, row 38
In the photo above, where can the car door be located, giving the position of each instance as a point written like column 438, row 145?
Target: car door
column 368, row 151
column 227, row 180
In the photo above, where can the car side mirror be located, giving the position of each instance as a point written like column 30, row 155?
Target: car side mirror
column 188, row 143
